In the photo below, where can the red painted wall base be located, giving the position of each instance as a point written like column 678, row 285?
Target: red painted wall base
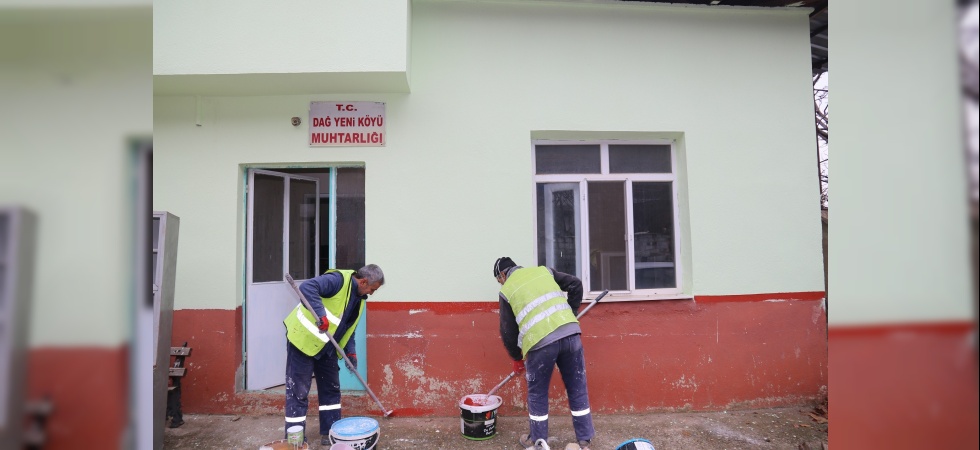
column 904, row 387
column 88, row 389
column 716, row 354
column 641, row 356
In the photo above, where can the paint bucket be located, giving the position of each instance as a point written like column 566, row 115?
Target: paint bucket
column 282, row 444
column 360, row 433
column 478, row 416
column 635, row 444
column 294, row 435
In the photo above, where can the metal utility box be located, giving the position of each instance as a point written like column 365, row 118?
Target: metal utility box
column 17, row 240
column 164, row 269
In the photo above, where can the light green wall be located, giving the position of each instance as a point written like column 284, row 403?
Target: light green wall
column 307, row 36
column 75, row 89
column 50, row 8
column 899, row 238
column 452, row 189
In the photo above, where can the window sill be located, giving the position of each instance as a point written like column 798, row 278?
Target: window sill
column 627, row 297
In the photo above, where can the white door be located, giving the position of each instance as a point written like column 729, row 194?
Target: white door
column 282, row 237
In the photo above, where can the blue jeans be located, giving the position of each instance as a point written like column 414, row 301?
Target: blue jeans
column 300, row 369
column 568, row 354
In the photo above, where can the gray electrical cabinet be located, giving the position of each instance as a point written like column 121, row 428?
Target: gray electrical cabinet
column 164, row 270
column 17, row 240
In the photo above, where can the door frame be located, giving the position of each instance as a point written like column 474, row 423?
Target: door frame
column 250, row 173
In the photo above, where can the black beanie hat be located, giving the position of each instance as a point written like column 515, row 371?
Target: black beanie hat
column 503, row 263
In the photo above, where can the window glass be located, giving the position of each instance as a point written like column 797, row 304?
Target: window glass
column 607, row 232
column 4, row 227
column 3, row 289
column 639, row 159
column 267, row 224
column 558, row 226
column 302, row 234
column 156, row 233
column 653, row 235
column 557, row 159
column 350, row 218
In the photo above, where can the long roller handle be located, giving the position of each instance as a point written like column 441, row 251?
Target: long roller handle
column 498, row 386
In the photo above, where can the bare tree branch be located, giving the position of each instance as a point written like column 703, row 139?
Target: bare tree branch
column 821, row 119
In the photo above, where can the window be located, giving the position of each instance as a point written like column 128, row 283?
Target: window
column 607, row 212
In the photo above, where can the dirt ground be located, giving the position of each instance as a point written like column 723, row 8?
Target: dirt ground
column 796, row 428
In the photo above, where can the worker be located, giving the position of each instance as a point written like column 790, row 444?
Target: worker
column 539, row 330
column 338, row 297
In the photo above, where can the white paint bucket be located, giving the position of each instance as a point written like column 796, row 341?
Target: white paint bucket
column 359, row 433
column 478, row 416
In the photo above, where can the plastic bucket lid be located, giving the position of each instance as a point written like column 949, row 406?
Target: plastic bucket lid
column 354, row 428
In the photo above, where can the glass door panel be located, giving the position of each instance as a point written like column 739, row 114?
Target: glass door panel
column 607, row 235
column 267, row 227
column 302, row 229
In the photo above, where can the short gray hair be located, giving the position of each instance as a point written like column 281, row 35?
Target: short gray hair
column 372, row 273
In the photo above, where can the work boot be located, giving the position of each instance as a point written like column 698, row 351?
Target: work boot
column 582, row 445
column 525, row 441
column 540, row 444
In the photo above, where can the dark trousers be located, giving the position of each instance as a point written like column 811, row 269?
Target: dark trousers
column 300, row 369
column 568, row 355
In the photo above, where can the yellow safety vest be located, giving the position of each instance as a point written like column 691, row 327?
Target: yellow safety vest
column 538, row 303
column 301, row 329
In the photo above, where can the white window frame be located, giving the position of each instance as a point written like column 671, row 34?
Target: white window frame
column 627, row 178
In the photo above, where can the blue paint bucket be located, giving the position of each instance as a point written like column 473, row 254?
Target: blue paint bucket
column 635, row 444
column 478, row 416
column 360, row 433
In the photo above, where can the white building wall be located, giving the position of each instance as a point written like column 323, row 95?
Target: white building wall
column 899, row 230
column 76, row 88
column 261, row 48
column 228, row 37
column 452, row 189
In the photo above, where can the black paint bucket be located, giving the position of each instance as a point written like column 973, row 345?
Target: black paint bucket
column 478, row 416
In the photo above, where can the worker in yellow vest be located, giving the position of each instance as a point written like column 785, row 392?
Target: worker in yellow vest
column 539, row 330
column 338, row 297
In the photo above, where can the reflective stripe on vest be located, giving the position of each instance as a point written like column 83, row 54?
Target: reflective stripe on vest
column 539, row 304
column 301, row 329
